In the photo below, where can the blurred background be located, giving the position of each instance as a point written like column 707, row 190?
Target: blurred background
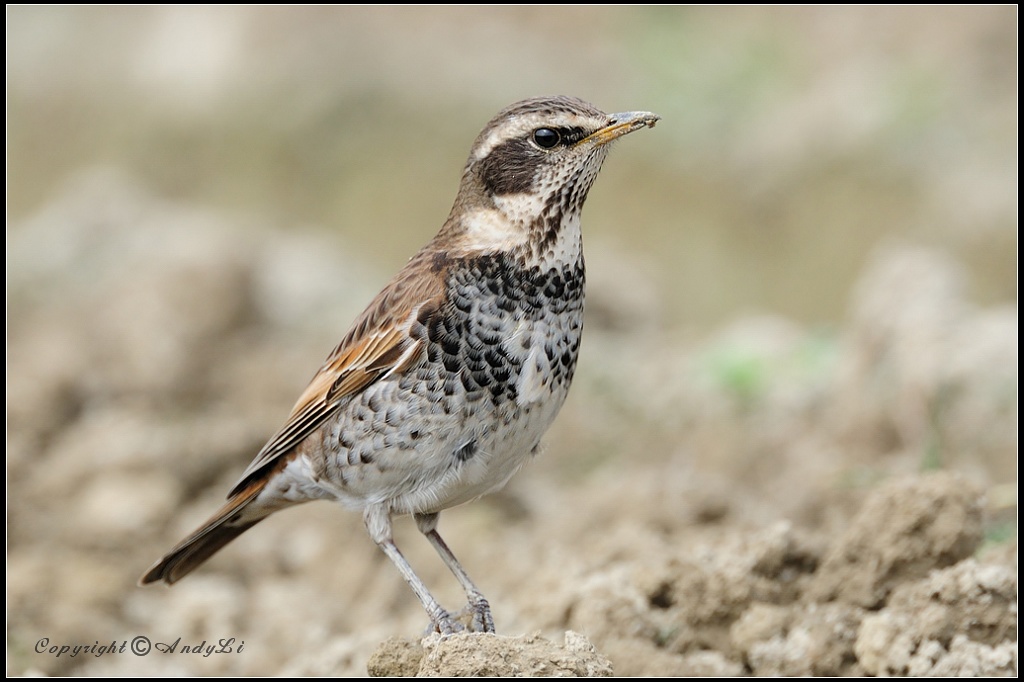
column 802, row 281
column 793, row 141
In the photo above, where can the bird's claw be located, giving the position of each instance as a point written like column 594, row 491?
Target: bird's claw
column 478, row 614
column 475, row 616
column 444, row 624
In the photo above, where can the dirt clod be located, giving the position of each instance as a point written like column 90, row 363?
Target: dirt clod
column 486, row 655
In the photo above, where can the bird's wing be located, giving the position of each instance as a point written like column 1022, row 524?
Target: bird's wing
column 386, row 339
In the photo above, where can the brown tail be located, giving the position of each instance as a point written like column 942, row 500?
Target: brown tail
column 230, row 521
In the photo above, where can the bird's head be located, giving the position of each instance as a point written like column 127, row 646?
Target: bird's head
column 529, row 173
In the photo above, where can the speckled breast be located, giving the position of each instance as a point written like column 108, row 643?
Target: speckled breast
column 504, row 323
column 500, row 355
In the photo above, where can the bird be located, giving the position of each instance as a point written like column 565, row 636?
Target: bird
column 443, row 387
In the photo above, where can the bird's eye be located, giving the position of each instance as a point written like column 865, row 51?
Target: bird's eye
column 546, row 138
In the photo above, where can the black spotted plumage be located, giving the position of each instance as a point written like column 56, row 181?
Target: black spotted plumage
column 490, row 292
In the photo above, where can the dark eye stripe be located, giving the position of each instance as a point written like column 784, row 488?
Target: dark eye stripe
column 509, row 167
column 572, row 135
column 549, row 138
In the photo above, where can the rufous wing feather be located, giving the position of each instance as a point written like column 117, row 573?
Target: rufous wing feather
column 356, row 363
column 387, row 338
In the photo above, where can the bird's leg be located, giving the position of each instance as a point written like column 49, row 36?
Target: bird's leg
column 481, row 610
column 378, row 524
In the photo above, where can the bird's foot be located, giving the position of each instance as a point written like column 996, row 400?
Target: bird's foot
column 473, row 617
column 444, row 623
column 477, row 613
